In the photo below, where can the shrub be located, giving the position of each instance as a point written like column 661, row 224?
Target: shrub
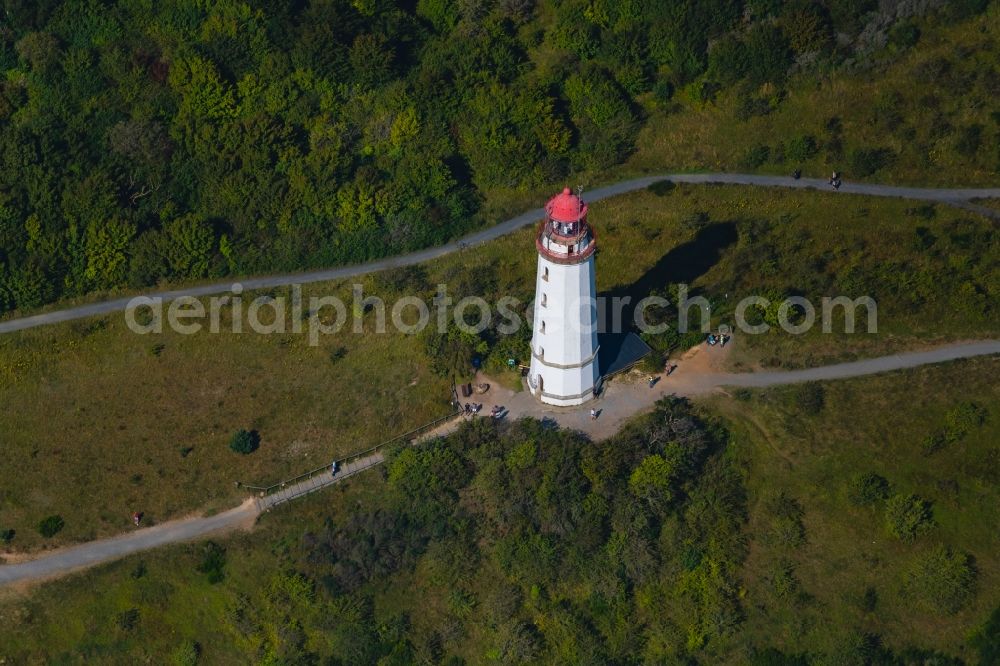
column 6, row 536
column 866, row 161
column 743, row 394
column 810, row 397
column 933, row 443
column 186, row 654
column 451, row 353
column 924, row 212
column 963, row 419
column 727, row 61
column 652, row 480
column 986, row 639
column 784, row 584
column 213, row 562
column 756, row 156
column 942, row 581
column 663, row 91
column 768, row 54
column 870, row 600
column 959, row 422
column 867, row 488
column 51, row 526
column 128, row 620
column 786, row 527
column 245, row 441
column 969, row 140
column 662, row 187
column 904, row 35
column 774, row 657
column 749, row 106
column 907, row 516
column 808, row 29
column 801, row 148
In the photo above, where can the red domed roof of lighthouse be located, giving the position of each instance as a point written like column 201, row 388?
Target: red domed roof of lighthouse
column 566, row 207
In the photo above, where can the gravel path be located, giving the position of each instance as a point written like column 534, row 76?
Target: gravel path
column 956, row 197
column 73, row 558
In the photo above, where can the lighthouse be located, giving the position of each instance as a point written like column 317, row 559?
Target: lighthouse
column 564, row 369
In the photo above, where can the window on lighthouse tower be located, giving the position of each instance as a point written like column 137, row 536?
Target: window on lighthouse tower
column 545, row 300
column 543, row 327
column 545, row 274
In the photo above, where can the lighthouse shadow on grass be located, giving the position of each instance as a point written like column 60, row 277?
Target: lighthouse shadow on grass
column 681, row 265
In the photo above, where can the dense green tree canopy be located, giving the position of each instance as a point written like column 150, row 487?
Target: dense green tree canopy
column 163, row 141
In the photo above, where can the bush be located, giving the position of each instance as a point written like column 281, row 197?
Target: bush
column 866, row 161
column 749, row 106
column 128, row 620
column 933, row 443
column 786, row 527
column 6, row 536
column 768, row 54
column 662, row 188
column 727, row 61
column 904, row 35
column 870, row 600
column 941, row 580
column 867, row 488
column 451, row 353
column 213, row 562
column 907, row 516
column 51, row 526
column 810, row 397
column 245, row 441
column 756, row 156
column 986, row 639
column 963, row 419
column 663, row 91
column 959, row 422
column 784, row 584
column 801, row 148
column 186, row 654
column 969, row 140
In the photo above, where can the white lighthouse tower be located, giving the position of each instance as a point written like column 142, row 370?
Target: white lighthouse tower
column 564, row 368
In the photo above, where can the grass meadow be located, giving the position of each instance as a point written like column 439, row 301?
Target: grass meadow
column 876, row 424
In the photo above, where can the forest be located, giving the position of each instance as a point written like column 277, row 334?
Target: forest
column 162, row 142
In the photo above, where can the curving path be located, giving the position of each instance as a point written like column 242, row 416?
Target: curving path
column 74, row 558
column 963, row 198
column 618, row 404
